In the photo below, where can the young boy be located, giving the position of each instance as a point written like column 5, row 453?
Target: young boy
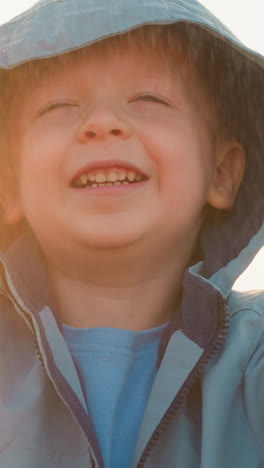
column 127, row 129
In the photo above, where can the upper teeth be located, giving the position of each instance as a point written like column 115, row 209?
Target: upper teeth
column 103, row 176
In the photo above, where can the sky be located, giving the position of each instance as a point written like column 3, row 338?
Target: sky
column 245, row 19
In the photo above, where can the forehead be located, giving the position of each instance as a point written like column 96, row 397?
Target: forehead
column 129, row 60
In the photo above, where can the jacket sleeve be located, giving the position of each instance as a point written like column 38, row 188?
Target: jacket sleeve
column 254, row 384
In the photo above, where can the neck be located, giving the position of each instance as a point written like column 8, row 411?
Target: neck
column 118, row 291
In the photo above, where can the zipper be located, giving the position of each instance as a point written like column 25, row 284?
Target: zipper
column 37, row 349
column 29, row 322
column 41, row 360
column 186, row 388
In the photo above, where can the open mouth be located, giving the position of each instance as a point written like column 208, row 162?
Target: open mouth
column 107, row 178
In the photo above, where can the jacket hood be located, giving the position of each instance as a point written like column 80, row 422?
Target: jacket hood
column 54, row 27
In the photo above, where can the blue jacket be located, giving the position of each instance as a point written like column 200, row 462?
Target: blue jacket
column 206, row 408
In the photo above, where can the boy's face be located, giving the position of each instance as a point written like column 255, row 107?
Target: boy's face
column 120, row 114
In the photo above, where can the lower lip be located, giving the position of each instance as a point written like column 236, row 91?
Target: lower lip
column 113, row 188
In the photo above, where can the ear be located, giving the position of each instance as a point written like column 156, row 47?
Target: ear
column 9, row 197
column 228, row 175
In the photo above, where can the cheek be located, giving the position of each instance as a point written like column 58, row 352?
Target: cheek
column 37, row 170
column 184, row 173
column 41, row 159
column 178, row 160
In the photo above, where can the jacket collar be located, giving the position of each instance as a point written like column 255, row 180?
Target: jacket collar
column 199, row 315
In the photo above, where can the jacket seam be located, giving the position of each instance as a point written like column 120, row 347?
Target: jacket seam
column 260, row 313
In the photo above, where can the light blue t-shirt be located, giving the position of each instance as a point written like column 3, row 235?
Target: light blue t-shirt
column 116, row 369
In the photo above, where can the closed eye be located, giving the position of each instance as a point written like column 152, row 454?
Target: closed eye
column 56, row 105
column 151, row 98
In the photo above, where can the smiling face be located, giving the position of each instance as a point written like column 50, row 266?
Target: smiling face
column 117, row 117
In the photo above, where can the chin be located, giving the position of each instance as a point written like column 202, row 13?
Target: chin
column 110, row 240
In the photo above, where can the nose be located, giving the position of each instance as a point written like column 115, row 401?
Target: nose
column 102, row 123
